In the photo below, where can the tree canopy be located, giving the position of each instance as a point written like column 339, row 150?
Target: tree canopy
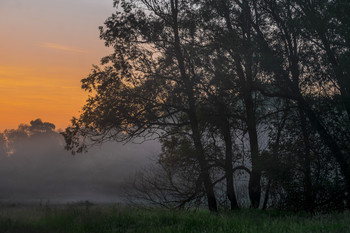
column 230, row 87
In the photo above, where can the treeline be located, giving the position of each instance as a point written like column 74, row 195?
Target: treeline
column 14, row 140
column 229, row 87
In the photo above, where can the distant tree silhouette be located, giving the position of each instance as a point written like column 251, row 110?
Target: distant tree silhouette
column 12, row 139
column 2, row 145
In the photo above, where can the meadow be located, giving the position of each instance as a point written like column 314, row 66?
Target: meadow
column 89, row 218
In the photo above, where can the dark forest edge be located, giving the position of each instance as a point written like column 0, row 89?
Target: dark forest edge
column 258, row 88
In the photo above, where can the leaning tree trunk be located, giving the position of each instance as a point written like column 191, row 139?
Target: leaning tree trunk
column 341, row 157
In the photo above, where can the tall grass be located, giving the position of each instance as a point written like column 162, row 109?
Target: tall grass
column 115, row 218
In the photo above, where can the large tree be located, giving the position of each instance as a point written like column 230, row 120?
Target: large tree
column 206, row 71
column 151, row 84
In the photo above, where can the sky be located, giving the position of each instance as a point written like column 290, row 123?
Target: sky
column 46, row 48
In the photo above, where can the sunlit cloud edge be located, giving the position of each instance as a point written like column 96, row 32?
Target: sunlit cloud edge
column 62, row 48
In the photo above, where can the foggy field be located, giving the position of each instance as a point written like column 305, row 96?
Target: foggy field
column 86, row 217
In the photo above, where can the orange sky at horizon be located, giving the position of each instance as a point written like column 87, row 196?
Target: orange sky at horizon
column 47, row 47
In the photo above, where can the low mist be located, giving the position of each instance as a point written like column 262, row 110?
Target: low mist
column 36, row 168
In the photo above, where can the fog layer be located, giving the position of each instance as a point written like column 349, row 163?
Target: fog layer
column 37, row 168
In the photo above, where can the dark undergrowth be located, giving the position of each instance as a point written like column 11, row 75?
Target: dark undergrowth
column 87, row 218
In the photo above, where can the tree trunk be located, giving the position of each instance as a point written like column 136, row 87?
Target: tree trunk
column 267, row 193
column 230, row 190
column 308, row 191
column 255, row 176
column 208, row 185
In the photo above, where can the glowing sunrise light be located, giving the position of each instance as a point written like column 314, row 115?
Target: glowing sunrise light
column 47, row 47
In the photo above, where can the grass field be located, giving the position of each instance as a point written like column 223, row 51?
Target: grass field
column 116, row 218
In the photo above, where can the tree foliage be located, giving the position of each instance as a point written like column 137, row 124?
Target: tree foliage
column 259, row 87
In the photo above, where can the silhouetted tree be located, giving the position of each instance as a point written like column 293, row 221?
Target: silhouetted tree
column 152, row 85
column 297, row 69
column 15, row 138
column 195, row 74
